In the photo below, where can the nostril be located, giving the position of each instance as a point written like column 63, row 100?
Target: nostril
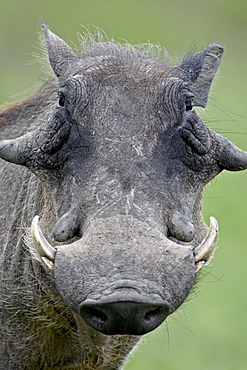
column 95, row 316
column 152, row 315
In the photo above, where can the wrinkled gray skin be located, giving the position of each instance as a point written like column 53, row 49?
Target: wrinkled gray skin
column 114, row 166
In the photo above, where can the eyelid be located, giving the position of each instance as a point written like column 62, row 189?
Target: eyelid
column 189, row 96
column 188, row 91
column 189, row 100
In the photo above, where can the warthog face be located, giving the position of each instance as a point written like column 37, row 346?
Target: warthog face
column 122, row 161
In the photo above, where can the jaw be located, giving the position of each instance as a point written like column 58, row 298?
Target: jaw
column 123, row 265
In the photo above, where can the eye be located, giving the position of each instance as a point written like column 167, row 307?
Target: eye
column 189, row 105
column 61, row 100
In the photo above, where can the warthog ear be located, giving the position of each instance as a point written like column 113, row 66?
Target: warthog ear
column 61, row 56
column 200, row 69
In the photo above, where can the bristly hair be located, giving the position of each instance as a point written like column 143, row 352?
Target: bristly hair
column 97, row 43
column 93, row 43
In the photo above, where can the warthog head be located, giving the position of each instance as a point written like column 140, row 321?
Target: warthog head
column 122, row 160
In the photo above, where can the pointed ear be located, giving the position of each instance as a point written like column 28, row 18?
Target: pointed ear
column 200, row 69
column 61, row 56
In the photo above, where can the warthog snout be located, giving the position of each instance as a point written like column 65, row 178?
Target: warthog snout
column 124, row 314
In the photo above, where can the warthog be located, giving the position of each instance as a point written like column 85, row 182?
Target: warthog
column 102, row 233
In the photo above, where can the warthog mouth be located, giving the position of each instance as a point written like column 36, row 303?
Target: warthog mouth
column 202, row 253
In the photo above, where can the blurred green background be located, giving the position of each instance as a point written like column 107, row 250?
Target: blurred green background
column 209, row 332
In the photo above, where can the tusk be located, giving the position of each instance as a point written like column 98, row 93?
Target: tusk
column 206, row 248
column 40, row 241
column 48, row 263
column 199, row 265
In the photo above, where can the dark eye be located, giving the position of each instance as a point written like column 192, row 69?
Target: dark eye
column 188, row 105
column 61, row 100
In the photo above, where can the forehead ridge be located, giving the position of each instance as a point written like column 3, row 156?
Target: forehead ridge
column 104, row 59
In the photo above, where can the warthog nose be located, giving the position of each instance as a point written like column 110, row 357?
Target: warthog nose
column 124, row 316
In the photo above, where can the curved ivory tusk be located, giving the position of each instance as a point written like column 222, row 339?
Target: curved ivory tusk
column 199, row 265
column 40, row 241
column 206, row 248
column 48, row 263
